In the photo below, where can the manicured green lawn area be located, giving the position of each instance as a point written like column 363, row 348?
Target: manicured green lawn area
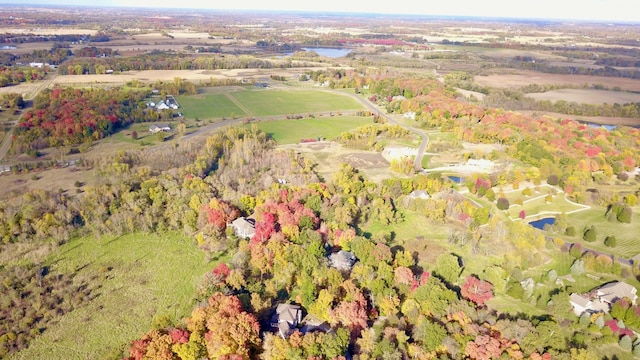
column 144, row 136
column 282, row 102
column 290, row 131
column 208, row 106
column 626, row 234
column 509, row 305
column 536, row 204
column 412, row 226
column 141, row 277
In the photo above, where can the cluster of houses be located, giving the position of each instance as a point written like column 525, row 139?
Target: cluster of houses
column 602, row 298
column 163, row 105
column 169, row 103
column 41, row 65
column 289, row 317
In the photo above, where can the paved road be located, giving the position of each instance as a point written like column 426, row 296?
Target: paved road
column 6, row 141
column 417, row 163
column 368, row 105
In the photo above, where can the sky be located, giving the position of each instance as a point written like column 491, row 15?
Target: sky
column 604, row 10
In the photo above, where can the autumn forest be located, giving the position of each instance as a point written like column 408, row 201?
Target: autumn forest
column 187, row 186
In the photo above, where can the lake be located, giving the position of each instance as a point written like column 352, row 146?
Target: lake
column 539, row 224
column 329, row 52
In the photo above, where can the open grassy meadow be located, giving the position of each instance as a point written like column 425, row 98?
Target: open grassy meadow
column 239, row 102
column 141, row 277
column 282, row 102
column 290, row 131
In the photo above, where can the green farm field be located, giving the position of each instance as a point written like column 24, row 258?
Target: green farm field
column 282, row 102
column 141, row 277
column 209, row 106
column 291, row 131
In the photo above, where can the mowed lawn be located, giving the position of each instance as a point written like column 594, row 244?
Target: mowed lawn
column 627, row 244
column 282, row 102
column 208, row 106
column 140, row 277
column 537, row 205
column 290, row 131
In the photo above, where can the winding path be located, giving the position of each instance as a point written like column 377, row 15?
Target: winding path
column 417, row 162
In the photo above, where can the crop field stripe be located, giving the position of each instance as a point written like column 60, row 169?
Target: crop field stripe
column 282, row 102
column 209, row 106
column 291, row 131
column 239, row 104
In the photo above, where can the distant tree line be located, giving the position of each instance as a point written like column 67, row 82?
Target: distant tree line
column 543, row 66
column 68, row 116
column 170, row 61
column 16, row 75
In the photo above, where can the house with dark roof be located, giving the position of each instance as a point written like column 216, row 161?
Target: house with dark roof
column 286, row 318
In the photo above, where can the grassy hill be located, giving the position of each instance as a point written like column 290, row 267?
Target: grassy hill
column 143, row 277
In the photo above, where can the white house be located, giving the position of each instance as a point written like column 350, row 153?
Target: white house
column 611, row 292
column 162, row 105
column 582, row 303
column 419, row 194
column 158, row 128
column 342, row 260
column 243, row 227
column 602, row 298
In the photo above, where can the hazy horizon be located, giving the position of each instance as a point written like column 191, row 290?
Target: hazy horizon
column 587, row 10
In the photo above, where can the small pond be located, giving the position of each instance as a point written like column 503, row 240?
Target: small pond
column 597, row 126
column 539, row 224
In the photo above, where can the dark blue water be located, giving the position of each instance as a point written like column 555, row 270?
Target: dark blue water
column 455, row 179
column 539, row 224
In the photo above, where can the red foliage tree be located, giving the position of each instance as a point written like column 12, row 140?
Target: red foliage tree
column 230, row 330
column 423, row 280
column 179, row 336
column 351, row 313
column 221, row 270
column 476, row 290
column 484, row 347
column 613, row 325
column 264, row 228
column 403, row 275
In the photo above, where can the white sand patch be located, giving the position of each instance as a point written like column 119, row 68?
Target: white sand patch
column 398, row 152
